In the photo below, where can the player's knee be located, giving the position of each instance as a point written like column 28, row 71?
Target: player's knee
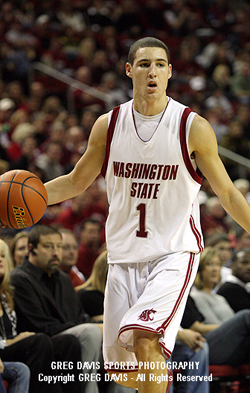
column 145, row 345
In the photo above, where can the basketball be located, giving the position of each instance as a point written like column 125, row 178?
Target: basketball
column 23, row 199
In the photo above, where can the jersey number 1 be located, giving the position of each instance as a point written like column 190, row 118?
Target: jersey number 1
column 142, row 217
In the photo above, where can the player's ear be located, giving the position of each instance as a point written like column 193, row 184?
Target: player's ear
column 169, row 71
column 129, row 70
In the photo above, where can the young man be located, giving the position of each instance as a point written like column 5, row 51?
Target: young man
column 151, row 151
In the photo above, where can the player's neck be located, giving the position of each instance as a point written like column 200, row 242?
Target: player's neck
column 148, row 108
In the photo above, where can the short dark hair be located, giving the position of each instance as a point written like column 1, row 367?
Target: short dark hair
column 41, row 230
column 236, row 253
column 146, row 42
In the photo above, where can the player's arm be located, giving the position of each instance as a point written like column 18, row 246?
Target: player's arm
column 203, row 145
column 86, row 169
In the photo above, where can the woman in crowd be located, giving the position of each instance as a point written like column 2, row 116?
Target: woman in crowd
column 19, row 247
column 91, row 293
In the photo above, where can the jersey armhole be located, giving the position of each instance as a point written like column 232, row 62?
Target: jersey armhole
column 110, row 134
column 196, row 174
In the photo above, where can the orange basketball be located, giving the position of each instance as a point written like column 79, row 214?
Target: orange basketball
column 23, row 199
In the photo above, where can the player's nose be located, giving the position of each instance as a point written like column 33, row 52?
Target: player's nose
column 152, row 70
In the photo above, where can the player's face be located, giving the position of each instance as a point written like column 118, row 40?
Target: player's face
column 70, row 250
column 2, row 261
column 211, row 273
column 48, row 254
column 150, row 73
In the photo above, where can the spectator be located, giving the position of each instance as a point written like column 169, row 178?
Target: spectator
column 234, row 331
column 235, row 141
column 19, row 247
column 242, row 239
column 72, row 216
column 240, row 83
column 219, row 100
column 28, row 154
column 89, row 248
column 115, row 94
column 208, row 276
column 235, row 290
column 214, row 219
column 46, row 301
column 217, row 320
column 50, row 161
column 37, row 351
column 243, row 186
column 91, row 293
column 222, row 244
column 69, row 258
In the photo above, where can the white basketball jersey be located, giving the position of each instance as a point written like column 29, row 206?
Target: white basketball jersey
column 152, row 187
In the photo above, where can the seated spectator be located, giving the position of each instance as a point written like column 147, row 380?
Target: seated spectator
column 235, row 289
column 243, row 186
column 72, row 216
column 235, row 330
column 50, row 161
column 215, row 218
column 218, row 317
column 91, row 293
column 235, row 141
column 37, row 351
column 46, row 301
column 242, row 239
column 19, row 247
column 213, row 306
column 17, row 375
column 69, row 258
column 89, row 248
column 27, row 157
column 240, row 82
column 222, row 244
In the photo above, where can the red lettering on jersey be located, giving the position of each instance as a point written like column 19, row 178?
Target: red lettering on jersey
column 146, row 315
column 121, row 171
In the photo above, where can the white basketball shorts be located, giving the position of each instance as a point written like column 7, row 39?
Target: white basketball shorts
column 149, row 296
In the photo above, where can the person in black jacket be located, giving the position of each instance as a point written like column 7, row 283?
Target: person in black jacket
column 37, row 351
column 46, row 301
column 236, row 288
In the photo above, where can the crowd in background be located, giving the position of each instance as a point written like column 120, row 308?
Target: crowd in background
column 45, row 124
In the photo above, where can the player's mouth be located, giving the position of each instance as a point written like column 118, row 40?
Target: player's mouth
column 152, row 86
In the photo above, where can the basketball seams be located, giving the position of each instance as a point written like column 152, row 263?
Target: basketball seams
column 25, row 185
column 26, row 204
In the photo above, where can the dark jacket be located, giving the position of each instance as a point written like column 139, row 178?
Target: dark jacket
column 236, row 295
column 45, row 304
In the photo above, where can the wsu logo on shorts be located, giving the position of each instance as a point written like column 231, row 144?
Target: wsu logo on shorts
column 147, row 315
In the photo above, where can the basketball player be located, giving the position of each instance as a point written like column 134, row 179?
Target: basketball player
column 152, row 152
